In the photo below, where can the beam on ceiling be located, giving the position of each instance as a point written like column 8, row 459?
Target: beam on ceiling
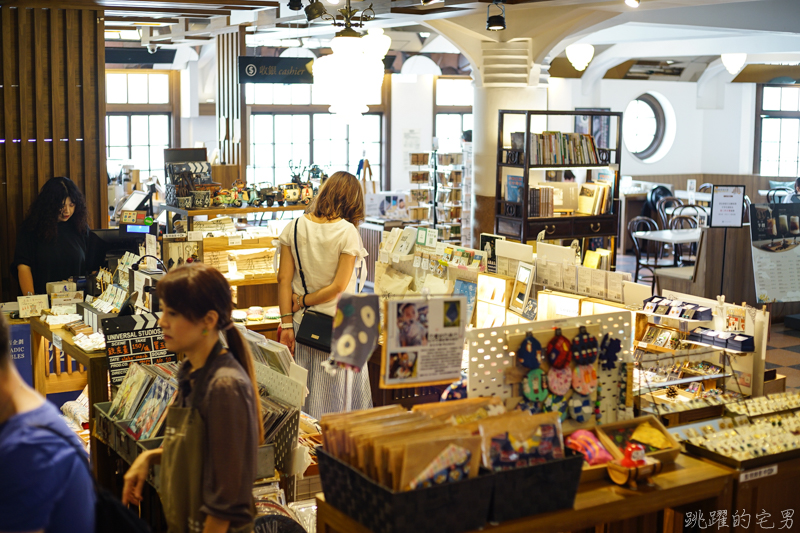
column 142, row 19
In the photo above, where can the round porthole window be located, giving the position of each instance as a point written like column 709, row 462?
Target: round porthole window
column 643, row 126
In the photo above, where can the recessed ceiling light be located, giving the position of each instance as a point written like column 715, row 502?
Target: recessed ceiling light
column 632, row 3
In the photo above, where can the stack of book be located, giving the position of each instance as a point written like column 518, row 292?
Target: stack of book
column 556, row 148
column 540, row 202
column 143, row 398
column 594, row 199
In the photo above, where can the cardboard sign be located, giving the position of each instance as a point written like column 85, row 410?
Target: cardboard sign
column 134, row 339
column 32, row 305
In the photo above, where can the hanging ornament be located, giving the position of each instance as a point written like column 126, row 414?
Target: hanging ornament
column 559, row 380
column 584, row 353
column 581, row 408
column 558, row 350
column 533, row 387
column 555, row 404
column 609, row 349
column 529, row 352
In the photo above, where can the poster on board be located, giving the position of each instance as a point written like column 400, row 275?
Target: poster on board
column 774, row 232
column 425, row 341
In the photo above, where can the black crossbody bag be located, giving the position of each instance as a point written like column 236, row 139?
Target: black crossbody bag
column 315, row 328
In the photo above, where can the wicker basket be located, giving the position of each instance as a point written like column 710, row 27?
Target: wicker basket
column 449, row 508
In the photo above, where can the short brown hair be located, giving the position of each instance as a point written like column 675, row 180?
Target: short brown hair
column 5, row 342
column 339, row 197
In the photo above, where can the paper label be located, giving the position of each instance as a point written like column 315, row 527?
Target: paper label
column 384, row 256
column 195, row 235
column 554, row 275
column 32, row 305
column 417, row 261
column 396, row 258
column 750, row 475
column 235, row 240
column 584, row 280
column 570, row 278
column 431, row 239
column 502, row 266
column 425, row 264
column 440, row 247
column 174, row 236
column 57, row 341
column 615, row 286
column 598, row 288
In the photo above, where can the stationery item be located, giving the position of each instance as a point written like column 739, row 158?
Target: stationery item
column 559, row 380
column 355, row 330
column 467, row 289
column 518, row 439
column 533, row 387
column 584, row 379
column 587, row 444
column 555, row 403
column 406, row 242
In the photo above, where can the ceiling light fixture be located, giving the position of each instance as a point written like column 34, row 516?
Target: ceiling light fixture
column 733, row 62
column 496, row 22
column 295, row 5
column 632, row 3
column 580, row 55
column 315, row 10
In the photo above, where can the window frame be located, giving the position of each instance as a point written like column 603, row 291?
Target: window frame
column 311, row 109
column 449, row 109
column 170, row 142
column 661, row 127
column 173, row 108
column 761, row 114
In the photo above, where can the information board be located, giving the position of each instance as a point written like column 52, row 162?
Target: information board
column 774, row 229
column 134, row 339
column 727, row 206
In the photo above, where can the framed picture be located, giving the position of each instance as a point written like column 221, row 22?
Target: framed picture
column 599, row 127
column 521, row 287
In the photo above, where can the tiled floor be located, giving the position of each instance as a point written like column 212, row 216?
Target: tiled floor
column 783, row 354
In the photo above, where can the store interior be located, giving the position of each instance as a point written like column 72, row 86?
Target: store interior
column 587, row 209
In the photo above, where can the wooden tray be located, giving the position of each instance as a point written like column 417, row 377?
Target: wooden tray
column 667, row 455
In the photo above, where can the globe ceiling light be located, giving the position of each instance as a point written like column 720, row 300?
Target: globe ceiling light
column 733, row 62
column 580, row 55
column 353, row 74
column 496, row 22
column 632, row 3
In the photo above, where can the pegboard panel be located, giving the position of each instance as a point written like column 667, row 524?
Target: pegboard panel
column 281, row 387
column 492, row 350
column 285, row 442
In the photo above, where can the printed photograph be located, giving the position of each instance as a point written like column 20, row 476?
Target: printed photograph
column 412, row 325
column 403, row 365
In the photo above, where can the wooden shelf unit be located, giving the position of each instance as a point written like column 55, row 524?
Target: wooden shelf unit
column 526, row 228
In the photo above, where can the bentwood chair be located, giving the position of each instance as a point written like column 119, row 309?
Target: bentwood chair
column 690, row 250
column 648, row 253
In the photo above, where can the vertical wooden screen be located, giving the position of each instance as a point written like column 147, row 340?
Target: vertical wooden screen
column 231, row 127
column 52, row 115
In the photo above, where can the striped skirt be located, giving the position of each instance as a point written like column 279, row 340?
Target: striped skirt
column 345, row 391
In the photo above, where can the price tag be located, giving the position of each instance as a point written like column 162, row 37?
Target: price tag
column 174, row 236
column 195, row 236
column 235, row 240
column 396, row 258
column 425, row 264
column 57, row 342
column 417, row 261
column 750, row 475
column 384, row 256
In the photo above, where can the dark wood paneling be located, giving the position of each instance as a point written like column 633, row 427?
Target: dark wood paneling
column 230, row 104
column 52, row 114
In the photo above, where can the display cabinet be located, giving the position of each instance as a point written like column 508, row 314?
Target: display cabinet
column 536, row 148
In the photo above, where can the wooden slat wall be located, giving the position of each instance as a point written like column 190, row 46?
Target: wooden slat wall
column 230, row 107
column 52, row 115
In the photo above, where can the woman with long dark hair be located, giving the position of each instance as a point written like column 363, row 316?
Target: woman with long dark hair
column 208, row 460
column 52, row 241
column 329, row 246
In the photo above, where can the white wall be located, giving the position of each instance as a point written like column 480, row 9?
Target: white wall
column 412, row 123
column 709, row 141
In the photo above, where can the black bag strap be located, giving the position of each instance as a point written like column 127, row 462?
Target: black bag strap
column 297, row 252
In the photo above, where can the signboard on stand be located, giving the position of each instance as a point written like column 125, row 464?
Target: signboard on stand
column 134, row 339
column 727, row 206
column 774, row 229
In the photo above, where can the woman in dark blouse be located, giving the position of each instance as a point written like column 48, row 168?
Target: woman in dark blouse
column 52, row 241
column 216, row 393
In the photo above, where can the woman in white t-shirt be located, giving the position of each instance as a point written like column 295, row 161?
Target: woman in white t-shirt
column 330, row 249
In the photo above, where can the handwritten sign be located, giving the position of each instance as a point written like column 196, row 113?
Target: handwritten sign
column 134, row 339
column 256, row 69
column 32, row 305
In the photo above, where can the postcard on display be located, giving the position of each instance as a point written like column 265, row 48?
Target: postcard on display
column 425, row 341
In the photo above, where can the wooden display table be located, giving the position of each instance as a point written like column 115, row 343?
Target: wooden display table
column 93, row 371
column 687, row 481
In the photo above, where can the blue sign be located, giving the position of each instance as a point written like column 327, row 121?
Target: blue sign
column 21, row 351
column 257, row 69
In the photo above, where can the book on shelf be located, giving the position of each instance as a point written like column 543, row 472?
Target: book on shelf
column 540, row 201
column 514, row 189
column 557, row 148
column 594, row 199
column 598, row 259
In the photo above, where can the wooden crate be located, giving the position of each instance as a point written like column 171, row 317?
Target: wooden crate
column 667, row 455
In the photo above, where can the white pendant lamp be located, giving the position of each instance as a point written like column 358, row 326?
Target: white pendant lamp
column 580, row 55
column 733, row 62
